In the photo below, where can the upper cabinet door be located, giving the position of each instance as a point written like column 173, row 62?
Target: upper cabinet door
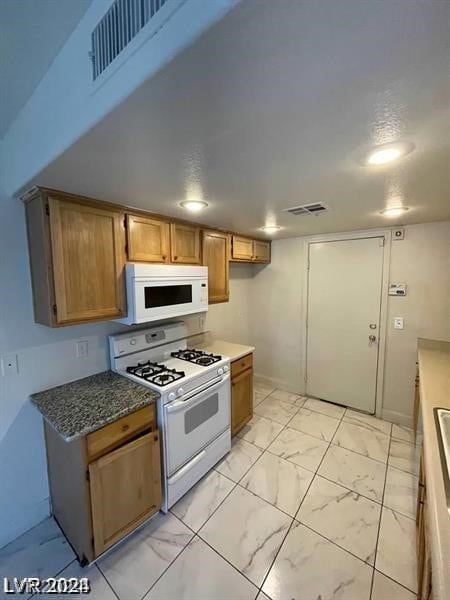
column 216, row 257
column 261, row 251
column 242, row 248
column 148, row 239
column 88, row 258
column 185, row 244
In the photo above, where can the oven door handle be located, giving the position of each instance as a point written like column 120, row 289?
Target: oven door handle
column 190, row 465
column 184, row 404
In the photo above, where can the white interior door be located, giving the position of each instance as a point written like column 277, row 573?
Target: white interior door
column 343, row 321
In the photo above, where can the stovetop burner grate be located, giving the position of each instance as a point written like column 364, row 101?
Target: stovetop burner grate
column 155, row 373
column 198, row 357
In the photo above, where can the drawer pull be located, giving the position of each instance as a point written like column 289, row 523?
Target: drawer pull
column 125, row 427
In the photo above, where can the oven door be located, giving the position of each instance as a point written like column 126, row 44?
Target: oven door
column 193, row 422
column 166, row 298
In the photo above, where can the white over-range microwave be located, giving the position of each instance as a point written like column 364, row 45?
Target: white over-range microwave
column 164, row 291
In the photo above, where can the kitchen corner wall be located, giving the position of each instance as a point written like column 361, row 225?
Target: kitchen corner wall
column 46, row 358
column 421, row 260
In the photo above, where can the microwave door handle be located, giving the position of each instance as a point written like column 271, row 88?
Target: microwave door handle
column 183, row 404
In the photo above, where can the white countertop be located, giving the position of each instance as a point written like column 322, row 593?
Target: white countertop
column 434, row 375
column 230, row 349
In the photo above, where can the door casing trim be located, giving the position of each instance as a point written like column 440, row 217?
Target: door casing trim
column 352, row 235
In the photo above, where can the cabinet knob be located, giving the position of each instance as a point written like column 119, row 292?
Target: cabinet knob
column 175, row 258
column 163, row 257
column 125, row 428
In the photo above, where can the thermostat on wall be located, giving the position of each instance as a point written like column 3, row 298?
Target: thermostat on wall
column 397, row 289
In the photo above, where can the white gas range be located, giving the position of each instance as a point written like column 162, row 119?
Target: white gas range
column 194, row 407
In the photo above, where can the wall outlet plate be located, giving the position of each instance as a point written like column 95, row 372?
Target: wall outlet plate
column 9, row 365
column 81, row 349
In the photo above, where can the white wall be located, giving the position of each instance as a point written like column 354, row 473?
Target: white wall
column 421, row 260
column 275, row 316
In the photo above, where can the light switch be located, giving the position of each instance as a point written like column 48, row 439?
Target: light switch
column 398, row 323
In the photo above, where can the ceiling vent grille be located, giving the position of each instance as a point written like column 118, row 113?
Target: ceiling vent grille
column 119, row 26
column 307, row 209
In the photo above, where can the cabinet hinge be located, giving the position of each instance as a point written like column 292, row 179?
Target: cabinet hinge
column 381, row 242
column 88, row 477
column 126, row 249
column 47, row 209
column 125, row 221
column 55, row 309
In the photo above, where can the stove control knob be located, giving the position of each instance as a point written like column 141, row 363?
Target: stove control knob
column 172, row 396
column 220, row 371
column 226, row 368
column 180, row 391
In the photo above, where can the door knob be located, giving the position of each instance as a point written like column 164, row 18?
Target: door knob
column 373, row 338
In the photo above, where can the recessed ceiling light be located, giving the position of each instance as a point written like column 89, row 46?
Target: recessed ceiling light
column 194, row 205
column 387, row 153
column 394, row 211
column 270, row 228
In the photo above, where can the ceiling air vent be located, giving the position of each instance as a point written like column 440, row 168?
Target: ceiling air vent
column 308, row 209
column 119, row 26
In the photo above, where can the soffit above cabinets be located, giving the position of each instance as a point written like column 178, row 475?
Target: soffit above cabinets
column 271, row 108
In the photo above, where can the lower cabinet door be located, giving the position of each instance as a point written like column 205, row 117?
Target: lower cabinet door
column 125, row 489
column 241, row 400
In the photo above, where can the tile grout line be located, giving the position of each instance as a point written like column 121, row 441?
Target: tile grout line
column 381, row 514
column 300, row 505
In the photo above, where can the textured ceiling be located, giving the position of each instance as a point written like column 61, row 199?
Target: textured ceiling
column 31, row 34
column 272, row 108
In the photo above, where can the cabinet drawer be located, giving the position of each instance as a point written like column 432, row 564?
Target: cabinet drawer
column 241, row 364
column 115, row 434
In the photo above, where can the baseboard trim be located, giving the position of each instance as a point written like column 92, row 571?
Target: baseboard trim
column 279, row 383
column 397, row 417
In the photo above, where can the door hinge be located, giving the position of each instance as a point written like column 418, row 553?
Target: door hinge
column 47, row 209
column 55, row 309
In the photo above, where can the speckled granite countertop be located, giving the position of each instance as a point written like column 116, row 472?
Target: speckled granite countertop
column 80, row 407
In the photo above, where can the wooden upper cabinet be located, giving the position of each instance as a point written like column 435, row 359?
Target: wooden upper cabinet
column 248, row 250
column 242, row 248
column 216, row 257
column 77, row 256
column 261, row 251
column 185, row 244
column 148, row 239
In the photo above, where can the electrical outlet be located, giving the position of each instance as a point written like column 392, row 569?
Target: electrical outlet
column 9, row 365
column 81, row 349
column 398, row 323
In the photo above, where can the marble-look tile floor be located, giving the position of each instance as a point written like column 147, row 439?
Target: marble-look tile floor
column 313, row 501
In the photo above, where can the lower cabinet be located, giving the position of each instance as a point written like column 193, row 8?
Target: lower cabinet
column 424, row 588
column 241, row 392
column 99, row 498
